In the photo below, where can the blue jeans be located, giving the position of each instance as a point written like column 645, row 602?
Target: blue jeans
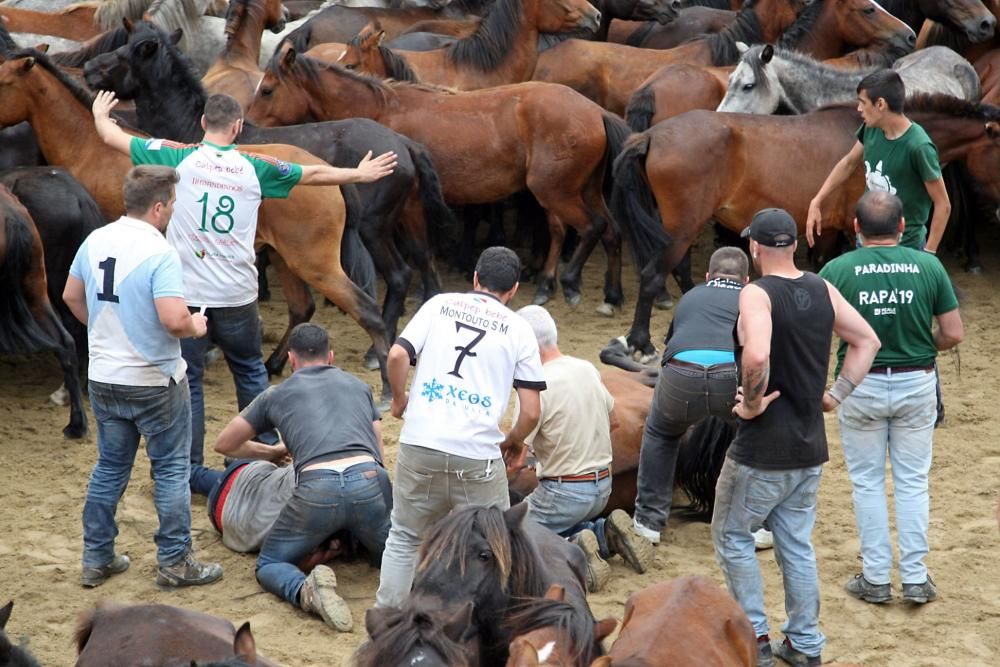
column 358, row 499
column 892, row 413
column 567, row 507
column 745, row 498
column 163, row 416
column 237, row 333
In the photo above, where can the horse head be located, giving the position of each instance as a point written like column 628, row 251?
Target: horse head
column 561, row 15
column 661, row 11
column 863, row 23
column 362, row 52
column 753, row 86
column 423, row 633
column 280, row 98
column 971, row 17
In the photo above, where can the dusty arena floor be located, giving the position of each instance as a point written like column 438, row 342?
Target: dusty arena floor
column 43, row 480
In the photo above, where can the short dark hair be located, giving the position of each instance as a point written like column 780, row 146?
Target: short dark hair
column 146, row 185
column 309, row 342
column 220, row 111
column 499, row 269
column 888, row 85
column 729, row 261
column 879, row 213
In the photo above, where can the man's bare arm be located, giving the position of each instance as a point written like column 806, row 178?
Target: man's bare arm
column 107, row 128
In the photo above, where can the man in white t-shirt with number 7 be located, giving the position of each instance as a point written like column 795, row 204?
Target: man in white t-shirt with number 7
column 469, row 349
column 213, row 229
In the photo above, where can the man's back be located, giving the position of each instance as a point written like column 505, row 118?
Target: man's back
column 704, row 318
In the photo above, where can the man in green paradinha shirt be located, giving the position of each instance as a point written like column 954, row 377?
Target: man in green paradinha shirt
column 900, row 292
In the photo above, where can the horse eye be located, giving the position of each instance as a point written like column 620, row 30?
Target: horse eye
column 749, row 86
column 485, row 556
column 265, row 92
column 350, row 66
column 868, row 11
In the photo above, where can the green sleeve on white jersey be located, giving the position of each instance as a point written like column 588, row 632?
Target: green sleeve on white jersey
column 276, row 177
column 159, row 151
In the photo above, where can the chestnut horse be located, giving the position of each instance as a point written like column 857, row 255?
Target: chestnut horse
column 503, row 49
column 304, row 229
column 75, row 22
column 686, row 622
column 610, row 73
column 973, row 44
column 30, row 324
column 743, row 163
column 486, row 145
column 158, row 634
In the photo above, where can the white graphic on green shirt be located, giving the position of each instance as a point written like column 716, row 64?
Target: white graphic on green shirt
column 876, row 180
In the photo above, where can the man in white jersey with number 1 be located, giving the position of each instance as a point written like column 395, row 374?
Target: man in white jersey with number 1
column 469, row 349
column 213, row 229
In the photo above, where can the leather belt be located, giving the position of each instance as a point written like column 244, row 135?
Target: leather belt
column 697, row 367
column 885, row 370
column 594, row 476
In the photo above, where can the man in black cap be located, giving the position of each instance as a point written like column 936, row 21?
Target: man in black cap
column 773, row 467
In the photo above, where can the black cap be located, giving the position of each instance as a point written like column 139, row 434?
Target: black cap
column 772, row 227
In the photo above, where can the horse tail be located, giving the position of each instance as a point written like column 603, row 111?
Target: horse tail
column 641, row 108
column 84, row 628
column 441, row 220
column 702, row 452
column 21, row 332
column 355, row 259
column 632, row 205
column 617, row 133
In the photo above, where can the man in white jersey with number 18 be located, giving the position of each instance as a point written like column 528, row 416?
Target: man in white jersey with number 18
column 213, row 229
column 469, row 349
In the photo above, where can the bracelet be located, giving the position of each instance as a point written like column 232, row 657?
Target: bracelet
column 933, row 252
column 841, row 389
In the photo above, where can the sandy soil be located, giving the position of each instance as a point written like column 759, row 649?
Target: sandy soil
column 43, row 479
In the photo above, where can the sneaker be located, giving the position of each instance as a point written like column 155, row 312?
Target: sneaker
column 318, row 595
column 91, row 577
column 862, row 589
column 648, row 533
column 188, row 572
column 624, row 541
column 920, row 593
column 765, row 656
column 763, row 539
column 789, row 654
column 598, row 570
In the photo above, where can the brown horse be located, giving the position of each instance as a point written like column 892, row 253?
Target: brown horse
column 503, row 49
column 160, row 635
column 610, row 73
column 691, row 23
column 743, row 163
column 684, row 622
column 543, row 137
column 237, row 71
column 304, row 229
column 365, row 53
column 30, row 324
column 971, row 47
column 75, row 22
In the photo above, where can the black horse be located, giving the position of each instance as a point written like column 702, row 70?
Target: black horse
column 169, row 102
column 10, row 655
column 422, row 632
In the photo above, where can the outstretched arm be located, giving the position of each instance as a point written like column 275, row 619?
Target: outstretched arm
column 368, row 170
column 107, row 127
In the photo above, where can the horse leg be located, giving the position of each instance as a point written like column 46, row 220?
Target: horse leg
column 392, row 267
column 300, row 309
column 547, row 277
column 263, row 289
column 65, row 351
column 413, row 223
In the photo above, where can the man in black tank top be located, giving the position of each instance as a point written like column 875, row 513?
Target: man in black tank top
column 772, row 471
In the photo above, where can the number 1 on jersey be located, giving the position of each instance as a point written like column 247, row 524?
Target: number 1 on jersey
column 107, row 292
column 466, row 350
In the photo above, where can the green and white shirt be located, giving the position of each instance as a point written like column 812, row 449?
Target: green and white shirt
column 215, row 218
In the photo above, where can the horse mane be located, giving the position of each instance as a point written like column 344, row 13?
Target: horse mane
column 405, row 629
column 185, row 74
column 103, row 43
column 745, row 28
column 817, row 68
column 311, row 70
column 169, row 15
column 487, row 47
column 941, row 35
column 537, row 613
column 952, row 106
column 238, row 13
column 109, row 14
column 802, row 26
column 7, row 42
column 83, row 96
column 396, row 67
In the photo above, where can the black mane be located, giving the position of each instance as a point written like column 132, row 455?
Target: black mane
column 486, row 48
column 311, row 69
column 103, row 43
column 745, row 28
column 802, row 26
column 568, row 620
column 952, row 106
column 396, row 66
column 407, row 629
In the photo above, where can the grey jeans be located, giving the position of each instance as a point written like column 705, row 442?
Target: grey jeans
column 427, row 486
column 683, row 396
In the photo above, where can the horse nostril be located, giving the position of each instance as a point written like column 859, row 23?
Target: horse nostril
column 988, row 25
column 676, row 5
column 911, row 39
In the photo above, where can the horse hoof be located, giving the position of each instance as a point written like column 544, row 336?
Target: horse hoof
column 384, row 404
column 72, row 432
column 370, row 361
column 60, row 397
column 647, row 358
column 212, row 356
column 974, row 270
column 605, row 309
column 541, row 299
column 664, row 304
column 573, row 299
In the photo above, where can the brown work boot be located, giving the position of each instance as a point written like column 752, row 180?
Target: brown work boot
column 624, row 541
column 188, row 572
column 598, row 570
column 318, row 595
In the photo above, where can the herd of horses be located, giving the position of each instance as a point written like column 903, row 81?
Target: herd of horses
column 600, row 117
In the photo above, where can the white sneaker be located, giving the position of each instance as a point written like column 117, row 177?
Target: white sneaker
column 648, row 533
column 763, row 539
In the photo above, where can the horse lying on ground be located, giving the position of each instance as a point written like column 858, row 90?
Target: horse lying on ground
column 10, row 655
column 155, row 635
column 422, row 632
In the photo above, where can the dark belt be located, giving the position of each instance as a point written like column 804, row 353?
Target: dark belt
column 697, row 367
column 885, row 370
column 595, row 476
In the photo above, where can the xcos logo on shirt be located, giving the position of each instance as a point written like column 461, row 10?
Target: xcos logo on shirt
column 435, row 391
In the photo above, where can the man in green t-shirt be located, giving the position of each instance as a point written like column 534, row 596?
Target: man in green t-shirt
column 900, row 292
column 899, row 158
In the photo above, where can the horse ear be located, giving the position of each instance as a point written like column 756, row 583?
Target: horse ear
column 603, row 661
column 288, row 59
column 175, row 36
column 523, row 654
column 458, row 623
column 604, row 627
column 993, row 130
column 244, row 645
column 381, row 37
column 742, row 47
column 43, row 47
column 515, row 515
column 5, row 614
column 27, row 64
column 766, row 54
column 555, row 592
column 375, row 621
column 127, row 23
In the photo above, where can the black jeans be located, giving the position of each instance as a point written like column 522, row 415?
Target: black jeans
column 683, row 396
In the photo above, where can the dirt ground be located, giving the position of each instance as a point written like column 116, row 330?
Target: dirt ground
column 43, row 480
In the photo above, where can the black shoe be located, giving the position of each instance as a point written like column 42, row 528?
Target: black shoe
column 920, row 593
column 862, row 589
column 792, row 656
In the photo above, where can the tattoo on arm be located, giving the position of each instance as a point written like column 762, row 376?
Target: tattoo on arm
column 755, row 384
